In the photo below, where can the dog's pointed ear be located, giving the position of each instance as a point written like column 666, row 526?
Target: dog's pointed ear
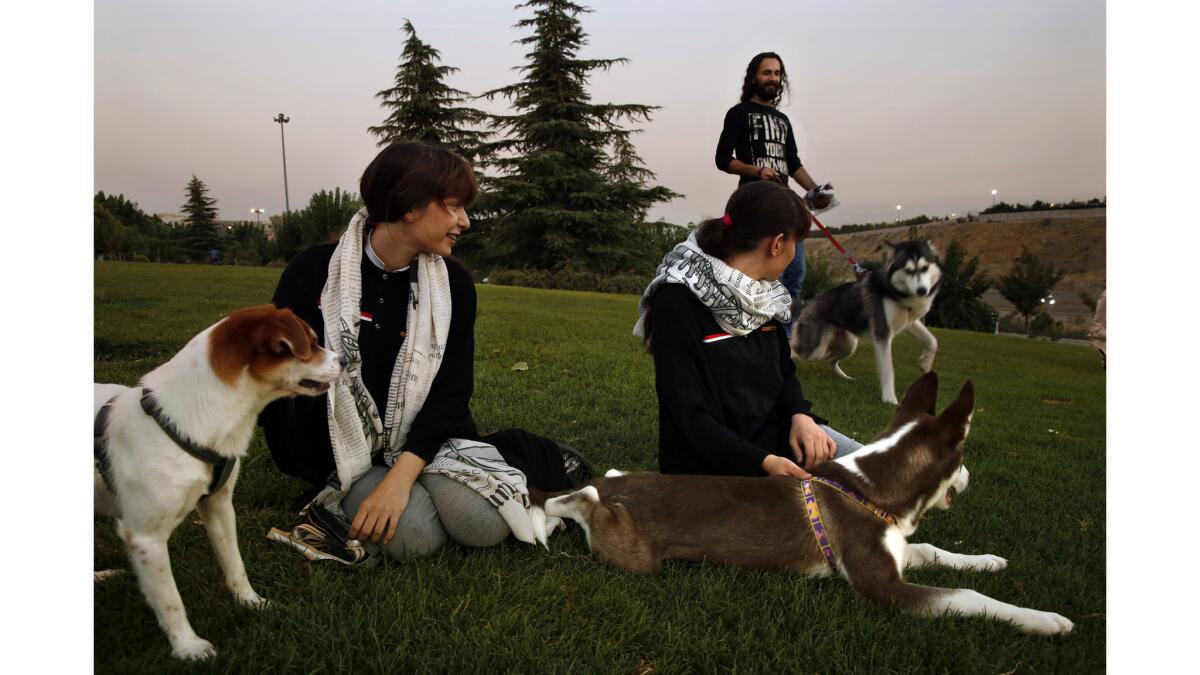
column 955, row 420
column 920, row 399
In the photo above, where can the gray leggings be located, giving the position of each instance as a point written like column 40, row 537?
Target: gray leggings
column 439, row 509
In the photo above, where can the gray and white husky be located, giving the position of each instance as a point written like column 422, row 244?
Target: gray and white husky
column 883, row 303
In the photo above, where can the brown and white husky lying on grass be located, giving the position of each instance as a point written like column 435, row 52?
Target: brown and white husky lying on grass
column 854, row 517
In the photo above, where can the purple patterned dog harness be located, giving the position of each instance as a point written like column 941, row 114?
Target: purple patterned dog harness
column 814, row 512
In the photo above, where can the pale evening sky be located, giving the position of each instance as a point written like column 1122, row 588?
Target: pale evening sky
column 929, row 104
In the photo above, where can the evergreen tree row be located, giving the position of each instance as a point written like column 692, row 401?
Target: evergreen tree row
column 122, row 231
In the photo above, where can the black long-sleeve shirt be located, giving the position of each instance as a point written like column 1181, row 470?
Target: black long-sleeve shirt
column 724, row 402
column 297, row 430
column 758, row 135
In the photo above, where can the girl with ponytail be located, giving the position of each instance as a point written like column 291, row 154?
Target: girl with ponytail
column 713, row 318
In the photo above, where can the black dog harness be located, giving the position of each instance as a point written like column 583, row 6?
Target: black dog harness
column 222, row 467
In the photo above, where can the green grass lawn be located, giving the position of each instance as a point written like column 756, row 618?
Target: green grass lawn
column 1036, row 455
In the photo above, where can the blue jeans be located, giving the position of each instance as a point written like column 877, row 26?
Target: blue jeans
column 793, row 278
column 845, row 444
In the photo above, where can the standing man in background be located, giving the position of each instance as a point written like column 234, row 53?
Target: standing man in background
column 757, row 143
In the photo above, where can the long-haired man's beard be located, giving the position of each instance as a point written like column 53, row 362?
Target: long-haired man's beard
column 766, row 92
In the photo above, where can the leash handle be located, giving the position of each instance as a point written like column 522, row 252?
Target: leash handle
column 859, row 270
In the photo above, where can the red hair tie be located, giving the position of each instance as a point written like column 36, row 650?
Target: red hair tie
column 727, row 220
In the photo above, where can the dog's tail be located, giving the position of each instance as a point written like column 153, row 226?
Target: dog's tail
column 544, row 524
column 575, row 504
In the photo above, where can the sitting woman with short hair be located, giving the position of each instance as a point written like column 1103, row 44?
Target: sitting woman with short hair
column 713, row 318
column 393, row 444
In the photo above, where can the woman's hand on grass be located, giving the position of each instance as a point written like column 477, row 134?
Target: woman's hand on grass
column 810, row 444
column 775, row 465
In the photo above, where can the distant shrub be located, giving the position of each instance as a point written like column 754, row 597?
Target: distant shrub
column 1044, row 325
column 140, row 258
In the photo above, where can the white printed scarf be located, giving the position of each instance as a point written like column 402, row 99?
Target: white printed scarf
column 740, row 304
column 356, row 428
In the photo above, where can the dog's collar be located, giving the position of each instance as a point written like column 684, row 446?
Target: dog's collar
column 814, row 512
column 222, row 466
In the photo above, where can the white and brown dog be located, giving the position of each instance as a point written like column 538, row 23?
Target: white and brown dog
column 172, row 444
column 853, row 518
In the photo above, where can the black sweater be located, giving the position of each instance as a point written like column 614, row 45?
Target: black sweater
column 297, row 430
column 758, row 135
column 724, row 403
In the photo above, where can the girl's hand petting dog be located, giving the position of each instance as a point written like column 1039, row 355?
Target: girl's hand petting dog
column 810, row 444
column 775, row 465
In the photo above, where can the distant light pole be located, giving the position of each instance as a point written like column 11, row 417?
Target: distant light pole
column 282, row 120
column 994, row 192
column 257, row 213
column 898, row 207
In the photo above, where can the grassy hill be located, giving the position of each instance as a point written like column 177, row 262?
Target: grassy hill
column 1074, row 245
column 1036, row 455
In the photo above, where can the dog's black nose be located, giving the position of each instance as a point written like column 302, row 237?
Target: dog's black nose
column 922, row 291
column 343, row 361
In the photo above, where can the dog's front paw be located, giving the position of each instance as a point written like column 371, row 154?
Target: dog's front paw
column 253, row 600
column 193, row 649
column 989, row 563
column 890, row 398
column 1044, row 623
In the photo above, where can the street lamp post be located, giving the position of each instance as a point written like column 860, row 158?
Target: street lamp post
column 257, row 213
column 994, row 192
column 282, row 120
column 898, row 207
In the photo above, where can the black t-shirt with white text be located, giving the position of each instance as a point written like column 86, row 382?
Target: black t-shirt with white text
column 758, row 135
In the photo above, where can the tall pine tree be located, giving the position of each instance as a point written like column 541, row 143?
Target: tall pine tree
column 423, row 108
column 563, row 200
column 201, row 236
